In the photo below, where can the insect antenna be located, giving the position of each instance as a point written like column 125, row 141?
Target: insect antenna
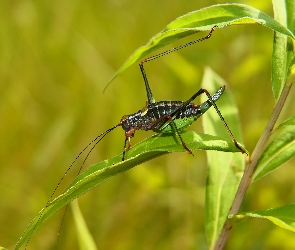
column 96, row 140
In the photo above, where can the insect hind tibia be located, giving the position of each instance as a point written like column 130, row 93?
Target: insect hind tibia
column 202, row 109
column 218, row 94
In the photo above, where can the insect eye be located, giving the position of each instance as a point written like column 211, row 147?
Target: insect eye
column 124, row 123
column 124, row 118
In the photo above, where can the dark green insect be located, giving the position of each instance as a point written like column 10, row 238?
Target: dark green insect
column 161, row 117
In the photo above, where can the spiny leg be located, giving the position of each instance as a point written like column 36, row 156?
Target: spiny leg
column 222, row 119
column 201, row 91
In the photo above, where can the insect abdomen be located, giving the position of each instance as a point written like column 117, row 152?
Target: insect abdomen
column 159, row 109
column 166, row 108
column 185, row 117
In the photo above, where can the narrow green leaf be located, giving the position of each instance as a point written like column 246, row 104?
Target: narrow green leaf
column 203, row 20
column 85, row 239
column 150, row 148
column 225, row 170
column 288, row 122
column 279, row 150
column 283, row 217
column 290, row 7
column 279, row 54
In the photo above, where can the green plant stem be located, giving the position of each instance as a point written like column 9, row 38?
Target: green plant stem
column 250, row 167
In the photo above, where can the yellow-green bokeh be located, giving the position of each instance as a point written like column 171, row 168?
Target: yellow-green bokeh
column 55, row 59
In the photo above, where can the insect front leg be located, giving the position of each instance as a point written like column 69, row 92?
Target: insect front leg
column 128, row 135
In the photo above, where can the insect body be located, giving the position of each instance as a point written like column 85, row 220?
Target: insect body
column 167, row 116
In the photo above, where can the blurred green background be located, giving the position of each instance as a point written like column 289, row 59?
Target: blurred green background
column 55, row 59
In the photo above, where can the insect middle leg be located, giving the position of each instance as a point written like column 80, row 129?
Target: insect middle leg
column 170, row 120
column 179, row 135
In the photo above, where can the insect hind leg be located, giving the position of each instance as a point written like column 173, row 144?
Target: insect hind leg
column 201, row 91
